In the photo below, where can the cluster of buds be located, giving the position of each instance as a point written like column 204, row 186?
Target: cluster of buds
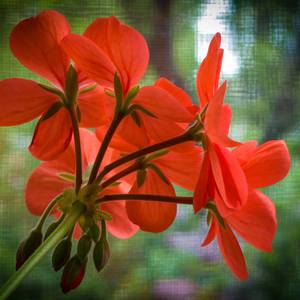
column 144, row 140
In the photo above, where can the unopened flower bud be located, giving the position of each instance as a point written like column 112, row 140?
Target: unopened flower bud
column 28, row 247
column 101, row 254
column 73, row 274
column 84, row 246
column 61, row 254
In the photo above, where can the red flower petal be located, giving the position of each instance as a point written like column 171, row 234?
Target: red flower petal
column 35, row 43
column 201, row 191
column 210, row 234
column 120, row 226
column 152, row 216
column 92, row 108
column 209, row 71
column 22, row 101
column 215, row 119
column 179, row 94
column 162, row 104
column 90, row 59
column 52, row 136
column 229, row 178
column 269, row 163
column 179, row 167
column 125, row 46
column 44, row 185
column 232, row 252
column 245, row 151
column 256, row 223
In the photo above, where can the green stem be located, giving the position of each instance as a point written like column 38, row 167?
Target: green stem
column 134, row 167
column 146, row 197
column 46, row 212
column 46, row 246
column 78, row 180
column 144, row 151
column 108, row 136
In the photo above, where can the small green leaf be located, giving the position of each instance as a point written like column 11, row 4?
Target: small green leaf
column 54, row 108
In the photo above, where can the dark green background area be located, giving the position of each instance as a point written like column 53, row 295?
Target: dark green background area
column 264, row 93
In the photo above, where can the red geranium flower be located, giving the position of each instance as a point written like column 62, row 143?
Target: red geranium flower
column 110, row 47
column 35, row 42
column 256, row 222
column 221, row 177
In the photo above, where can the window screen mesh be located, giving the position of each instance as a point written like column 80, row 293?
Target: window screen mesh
column 262, row 66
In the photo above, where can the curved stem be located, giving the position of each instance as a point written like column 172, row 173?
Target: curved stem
column 78, row 180
column 144, row 151
column 132, row 168
column 107, row 138
column 46, row 246
column 46, row 212
column 146, row 197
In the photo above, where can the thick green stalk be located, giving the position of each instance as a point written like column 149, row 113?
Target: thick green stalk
column 46, row 246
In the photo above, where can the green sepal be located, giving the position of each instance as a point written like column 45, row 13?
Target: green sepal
column 67, row 176
column 54, row 108
column 140, row 177
column 102, row 215
column 118, row 92
column 53, row 90
column 71, row 86
column 109, row 93
column 130, row 96
column 84, row 246
column 135, row 117
column 159, row 172
column 61, row 253
column 140, row 108
column 155, row 155
column 209, row 205
column 87, row 89
column 66, row 201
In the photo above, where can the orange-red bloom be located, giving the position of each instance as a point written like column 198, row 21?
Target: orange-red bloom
column 256, row 222
column 108, row 47
column 35, row 42
column 221, row 177
column 46, row 182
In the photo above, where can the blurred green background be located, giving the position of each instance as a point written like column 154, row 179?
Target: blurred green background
column 262, row 66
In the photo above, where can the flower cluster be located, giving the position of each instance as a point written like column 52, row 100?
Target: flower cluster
column 145, row 140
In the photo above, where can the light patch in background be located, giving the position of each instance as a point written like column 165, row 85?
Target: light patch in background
column 211, row 21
